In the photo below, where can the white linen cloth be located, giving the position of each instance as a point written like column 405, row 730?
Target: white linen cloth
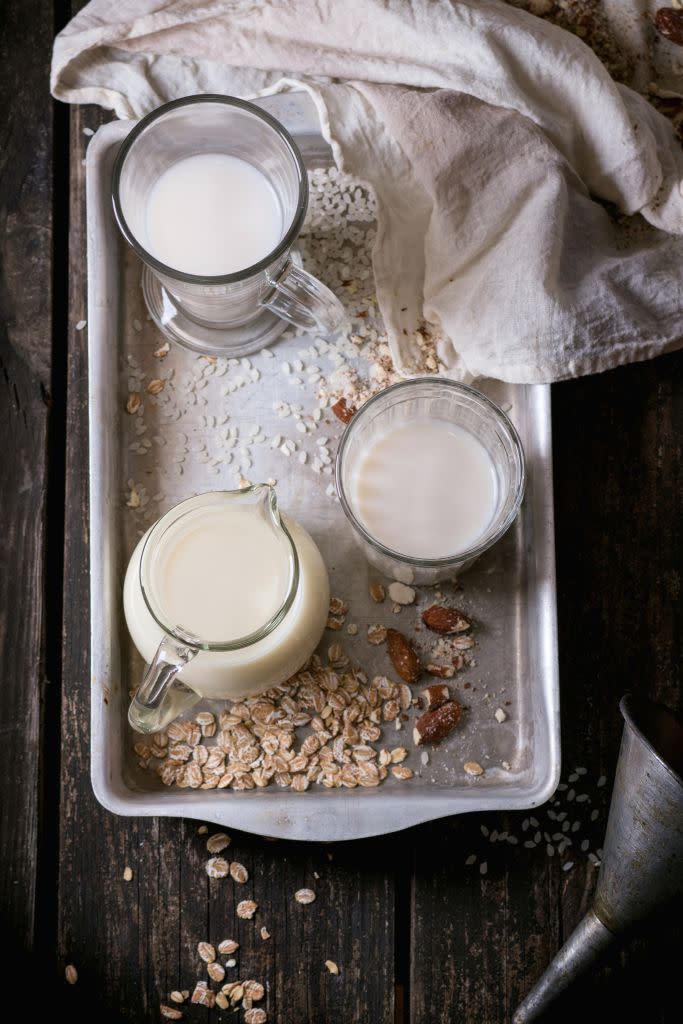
column 492, row 139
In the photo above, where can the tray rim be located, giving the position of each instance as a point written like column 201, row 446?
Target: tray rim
column 329, row 815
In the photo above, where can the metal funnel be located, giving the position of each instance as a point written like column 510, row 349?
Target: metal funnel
column 642, row 864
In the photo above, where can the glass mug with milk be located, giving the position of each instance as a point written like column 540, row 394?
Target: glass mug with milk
column 223, row 597
column 211, row 193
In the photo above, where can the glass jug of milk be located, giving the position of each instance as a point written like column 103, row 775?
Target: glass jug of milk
column 211, row 193
column 224, row 598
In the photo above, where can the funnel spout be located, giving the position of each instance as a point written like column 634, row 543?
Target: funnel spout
column 584, row 947
column 642, row 851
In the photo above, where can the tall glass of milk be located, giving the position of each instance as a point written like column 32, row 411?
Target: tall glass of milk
column 224, row 597
column 211, row 193
column 430, row 474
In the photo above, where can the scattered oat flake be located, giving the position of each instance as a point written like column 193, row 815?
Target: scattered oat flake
column 236, row 992
column 162, row 351
column 133, row 500
column 304, row 896
column 377, row 634
column 473, row 768
column 206, row 952
column 377, row 592
column 127, row 874
column 170, row 1012
column 156, row 386
column 239, row 873
column 228, row 946
column 222, row 1001
column 133, row 402
column 246, row 909
column 255, row 1016
column 254, row 989
column 71, row 974
column 217, row 842
column 215, row 971
column 332, row 967
column 177, row 997
column 217, row 867
column 202, row 994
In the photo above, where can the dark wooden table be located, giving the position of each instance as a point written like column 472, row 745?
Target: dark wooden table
column 419, row 937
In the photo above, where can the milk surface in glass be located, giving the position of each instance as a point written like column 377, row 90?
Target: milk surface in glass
column 426, row 488
column 212, row 214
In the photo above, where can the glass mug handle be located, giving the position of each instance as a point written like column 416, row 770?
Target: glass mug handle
column 303, row 300
column 161, row 697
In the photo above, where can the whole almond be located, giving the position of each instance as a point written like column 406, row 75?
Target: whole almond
column 443, row 619
column 403, row 656
column 434, row 726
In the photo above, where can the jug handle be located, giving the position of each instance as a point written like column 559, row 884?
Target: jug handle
column 303, row 300
column 160, row 696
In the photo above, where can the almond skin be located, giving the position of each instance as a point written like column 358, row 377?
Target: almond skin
column 669, row 23
column 434, row 726
column 436, row 695
column 403, row 656
column 442, row 619
column 342, row 411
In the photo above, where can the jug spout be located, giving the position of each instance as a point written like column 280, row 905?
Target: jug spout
column 264, row 497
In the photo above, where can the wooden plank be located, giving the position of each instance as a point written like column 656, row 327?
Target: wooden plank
column 26, row 234
column 133, row 942
column 479, row 942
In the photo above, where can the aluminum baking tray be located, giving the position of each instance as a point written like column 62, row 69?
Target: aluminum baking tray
column 169, row 453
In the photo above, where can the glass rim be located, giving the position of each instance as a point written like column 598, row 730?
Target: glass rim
column 285, row 242
column 459, row 556
column 172, row 516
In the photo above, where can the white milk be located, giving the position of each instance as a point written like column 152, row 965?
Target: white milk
column 426, row 488
column 222, row 576
column 212, row 214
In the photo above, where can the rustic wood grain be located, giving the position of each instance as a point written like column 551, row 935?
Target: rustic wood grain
column 479, row 943
column 133, row 942
column 25, row 385
column 418, row 936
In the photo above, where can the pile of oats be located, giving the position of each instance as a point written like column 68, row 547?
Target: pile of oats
column 323, row 726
